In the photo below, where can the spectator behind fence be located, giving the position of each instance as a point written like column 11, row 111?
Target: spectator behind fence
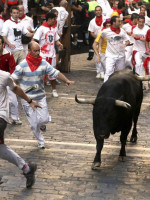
column 27, row 22
column 62, row 15
column 12, row 32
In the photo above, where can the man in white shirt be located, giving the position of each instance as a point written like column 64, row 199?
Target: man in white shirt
column 115, row 51
column 12, row 32
column 27, row 22
column 62, row 16
column 144, row 13
column 95, row 26
column 128, row 29
column 47, row 37
column 7, row 153
column 139, row 34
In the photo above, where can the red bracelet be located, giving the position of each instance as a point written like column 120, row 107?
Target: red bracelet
column 147, row 49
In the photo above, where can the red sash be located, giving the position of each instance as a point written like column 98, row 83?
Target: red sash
column 146, row 65
column 133, row 58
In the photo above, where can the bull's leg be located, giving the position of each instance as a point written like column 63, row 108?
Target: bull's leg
column 133, row 138
column 97, row 160
column 123, row 139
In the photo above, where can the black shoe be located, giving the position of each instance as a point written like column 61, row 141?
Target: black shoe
column 43, row 128
column 31, row 175
column 90, row 58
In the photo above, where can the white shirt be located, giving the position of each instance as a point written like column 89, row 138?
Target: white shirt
column 138, row 44
column 27, row 22
column 62, row 16
column 115, row 43
column 93, row 26
column 134, row 11
column 47, row 38
column 147, row 20
column 1, row 25
column 5, row 80
column 13, row 31
column 128, row 29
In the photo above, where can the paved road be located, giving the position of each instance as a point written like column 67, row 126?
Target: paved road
column 64, row 167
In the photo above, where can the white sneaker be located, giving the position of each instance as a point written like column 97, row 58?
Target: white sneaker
column 54, row 93
column 17, row 122
column 41, row 146
column 102, row 76
column 98, row 76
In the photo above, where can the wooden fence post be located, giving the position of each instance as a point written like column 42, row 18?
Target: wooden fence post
column 66, row 39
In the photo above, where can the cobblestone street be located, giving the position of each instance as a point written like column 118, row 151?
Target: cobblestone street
column 64, row 167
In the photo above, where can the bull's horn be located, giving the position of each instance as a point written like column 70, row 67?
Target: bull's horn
column 85, row 101
column 143, row 78
column 122, row 104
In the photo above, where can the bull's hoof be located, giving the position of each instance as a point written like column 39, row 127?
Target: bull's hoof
column 122, row 158
column 133, row 139
column 96, row 166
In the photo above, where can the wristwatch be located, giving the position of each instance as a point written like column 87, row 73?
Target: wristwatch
column 30, row 101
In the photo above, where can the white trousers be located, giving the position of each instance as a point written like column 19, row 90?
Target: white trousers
column 37, row 118
column 100, row 67
column 139, row 63
column 113, row 64
column 53, row 64
column 128, row 56
column 8, row 154
column 13, row 105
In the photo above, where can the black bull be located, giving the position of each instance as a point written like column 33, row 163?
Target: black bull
column 116, row 106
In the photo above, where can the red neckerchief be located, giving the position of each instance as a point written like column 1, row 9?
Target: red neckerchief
column 1, row 17
column 47, row 25
column 11, row 19
column 146, row 65
column 103, row 28
column 116, row 30
column 98, row 20
column 117, row 10
column 22, row 17
column 55, row 25
column 130, row 22
column 33, row 62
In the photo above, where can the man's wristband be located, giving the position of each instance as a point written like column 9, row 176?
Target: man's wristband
column 30, row 101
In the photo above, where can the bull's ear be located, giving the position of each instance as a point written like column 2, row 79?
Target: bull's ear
column 122, row 104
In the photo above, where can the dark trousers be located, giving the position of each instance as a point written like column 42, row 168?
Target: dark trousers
column 3, row 125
